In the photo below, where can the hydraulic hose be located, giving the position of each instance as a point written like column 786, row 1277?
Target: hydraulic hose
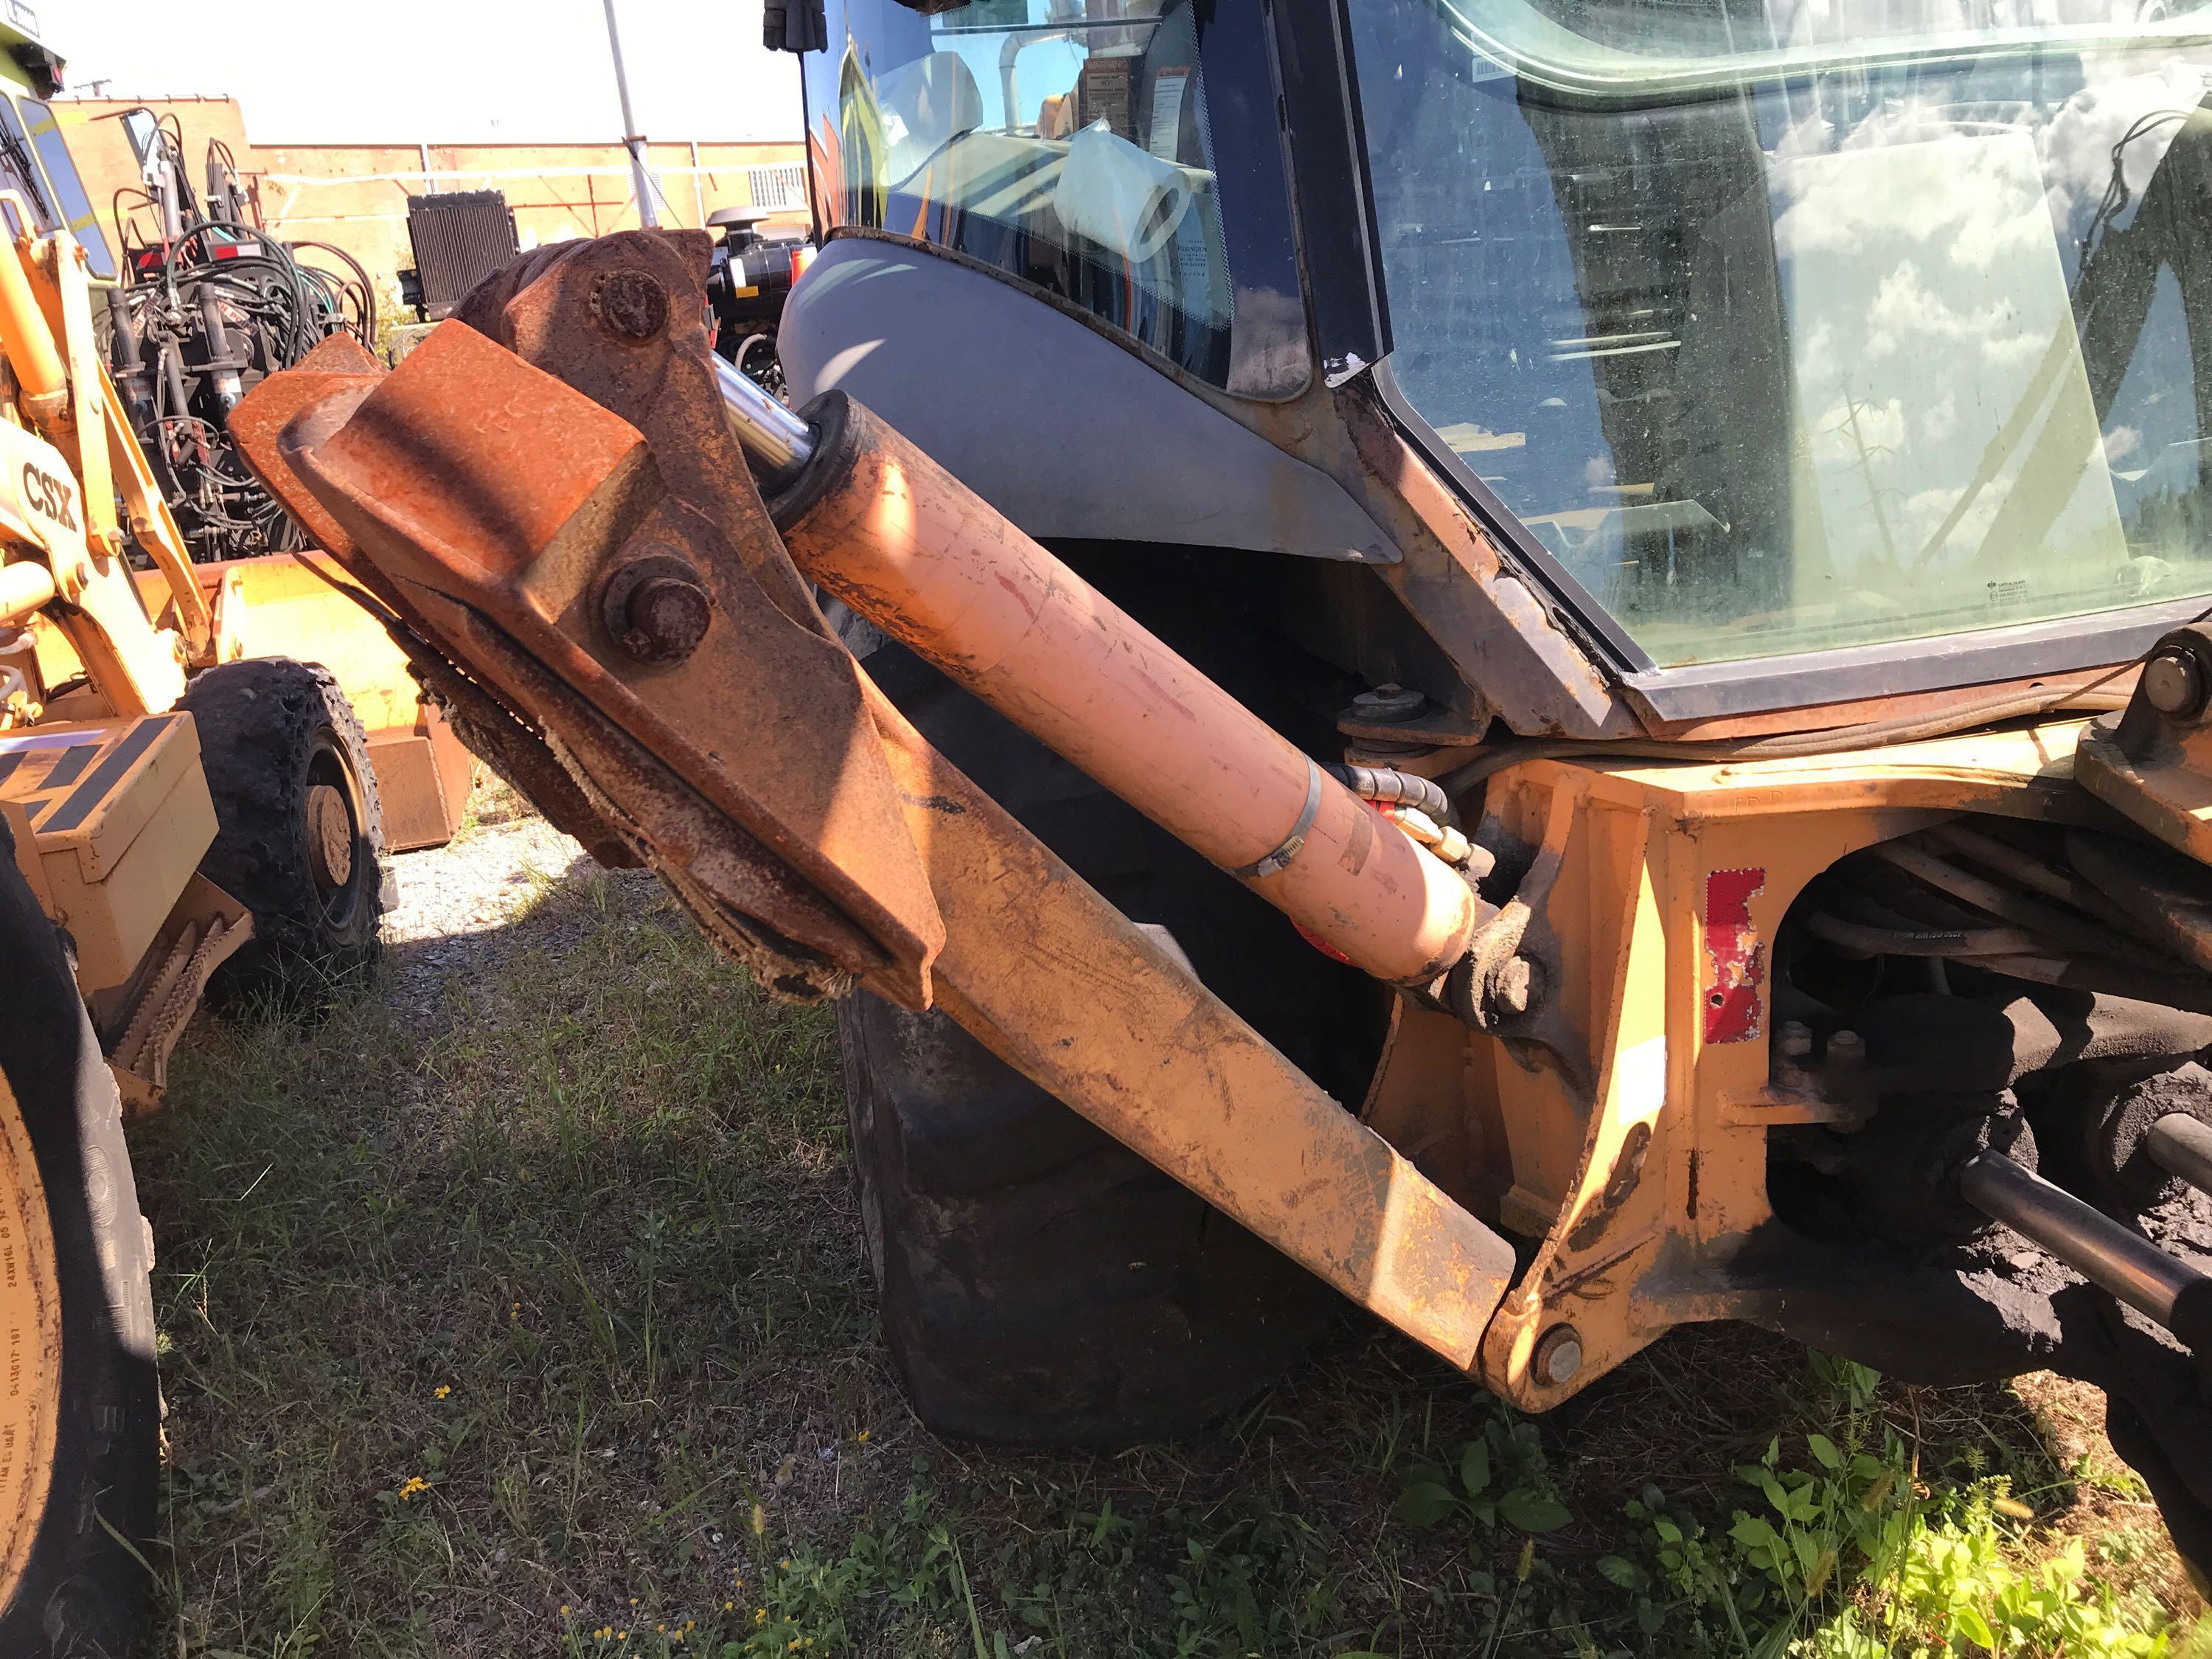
column 1387, row 788
column 1796, row 745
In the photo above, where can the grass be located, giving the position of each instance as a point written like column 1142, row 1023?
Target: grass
column 521, row 1309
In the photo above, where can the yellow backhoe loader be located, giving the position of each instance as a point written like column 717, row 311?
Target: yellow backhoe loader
column 1882, row 1023
column 189, row 810
column 1554, row 653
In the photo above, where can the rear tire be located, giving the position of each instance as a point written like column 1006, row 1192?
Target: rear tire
column 80, row 1593
column 300, row 832
column 1040, row 1283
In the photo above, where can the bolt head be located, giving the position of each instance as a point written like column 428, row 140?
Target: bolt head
column 1558, row 1355
column 1385, row 705
column 2173, row 683
column 631, row 305
column 671, row 614
column 657, row 610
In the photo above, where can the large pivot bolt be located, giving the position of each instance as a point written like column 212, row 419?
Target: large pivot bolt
column 631, row 305
column 656, row 609
column 1558, row 1356
column 2174, row 683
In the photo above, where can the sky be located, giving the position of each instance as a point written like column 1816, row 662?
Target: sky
column 459, row 72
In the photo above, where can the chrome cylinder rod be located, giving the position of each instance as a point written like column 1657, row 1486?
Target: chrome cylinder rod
column 2110, row 1256
column 777, row 441
column 2181, row 1145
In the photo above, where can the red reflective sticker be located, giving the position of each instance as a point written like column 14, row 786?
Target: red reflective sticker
column 1733, row 1006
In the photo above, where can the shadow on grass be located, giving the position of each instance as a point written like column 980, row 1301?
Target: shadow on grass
column 521, row 1308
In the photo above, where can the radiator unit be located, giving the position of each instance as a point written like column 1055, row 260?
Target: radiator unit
column 459, row 238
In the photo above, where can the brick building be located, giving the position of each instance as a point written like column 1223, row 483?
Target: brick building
column 355, row 195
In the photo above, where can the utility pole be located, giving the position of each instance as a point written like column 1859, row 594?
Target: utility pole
column 633, row 140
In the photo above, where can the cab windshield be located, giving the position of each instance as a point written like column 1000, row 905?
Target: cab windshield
column 1813, row 323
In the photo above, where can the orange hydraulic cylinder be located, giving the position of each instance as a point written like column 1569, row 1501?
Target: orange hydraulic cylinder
column 25, row 338
column 880, row 526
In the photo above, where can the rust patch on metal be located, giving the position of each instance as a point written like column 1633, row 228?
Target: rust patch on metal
column 630, row 305
column 1735, row 1002
column 496, row 487
column 336, row 374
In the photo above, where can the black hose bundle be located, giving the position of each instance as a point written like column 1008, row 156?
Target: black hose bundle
column 1390, row 788
column 210, row 312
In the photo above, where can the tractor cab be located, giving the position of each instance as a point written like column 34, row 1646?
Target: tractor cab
column 1782, row 356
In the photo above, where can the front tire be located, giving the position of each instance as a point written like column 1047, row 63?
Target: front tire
column 300, row 832
column 82, row 1405
column 1040, row 1284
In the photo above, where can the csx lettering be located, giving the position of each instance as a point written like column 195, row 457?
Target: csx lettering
column 50, row 496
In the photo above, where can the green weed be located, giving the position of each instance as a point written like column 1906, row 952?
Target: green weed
column 521, row 1309
column 1851, row 1555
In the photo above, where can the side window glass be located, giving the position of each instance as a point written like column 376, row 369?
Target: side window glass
column 19, row 176
column 1104, row 151
column 72, row 206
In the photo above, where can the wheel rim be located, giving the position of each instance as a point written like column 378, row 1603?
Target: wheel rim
column 30, row 1346
column 330, row 835
column 333, row 818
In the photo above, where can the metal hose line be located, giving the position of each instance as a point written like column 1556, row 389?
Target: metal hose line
column 2109, row 1255
column 1796, row 745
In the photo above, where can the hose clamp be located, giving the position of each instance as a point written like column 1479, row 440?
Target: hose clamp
column 1293, row 843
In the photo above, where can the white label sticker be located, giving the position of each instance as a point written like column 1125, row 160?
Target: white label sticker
column 1168, row 88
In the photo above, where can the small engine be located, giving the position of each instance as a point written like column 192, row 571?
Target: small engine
column 754, row 267
column 213, row 305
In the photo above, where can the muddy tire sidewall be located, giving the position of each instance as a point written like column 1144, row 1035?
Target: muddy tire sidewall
column 83, row 1593
column 273, row 732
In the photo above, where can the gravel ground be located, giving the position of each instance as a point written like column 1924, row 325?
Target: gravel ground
column 474, row 882
column 457, row 901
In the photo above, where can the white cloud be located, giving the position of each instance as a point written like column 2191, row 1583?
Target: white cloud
column 2077, row 145
column 1961, row 195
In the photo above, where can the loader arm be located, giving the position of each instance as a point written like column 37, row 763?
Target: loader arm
column 64, row 480
column 555, row 512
